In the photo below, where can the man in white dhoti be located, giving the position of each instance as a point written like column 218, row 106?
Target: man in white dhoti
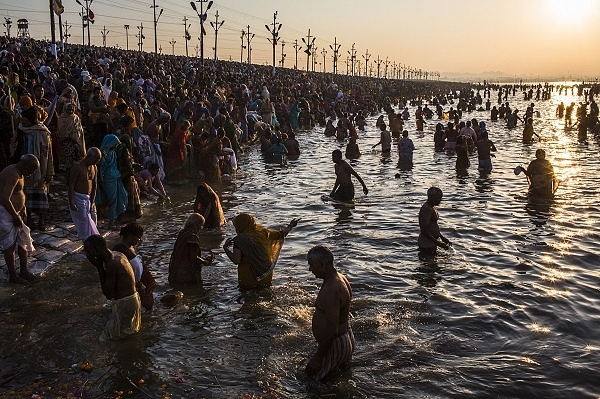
column 83, row 182
column 14, row 234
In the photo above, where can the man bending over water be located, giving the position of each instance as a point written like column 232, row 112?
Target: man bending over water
column 118, row 285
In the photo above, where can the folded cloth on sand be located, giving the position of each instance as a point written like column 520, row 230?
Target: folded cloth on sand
column 339, row 354
column 11, row 234
column 84, row 218
column 125, row 319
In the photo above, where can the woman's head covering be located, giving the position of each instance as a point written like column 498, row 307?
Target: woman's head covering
column 109, row 141
column 244, row 222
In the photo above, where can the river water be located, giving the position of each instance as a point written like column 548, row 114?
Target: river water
column 511, row 311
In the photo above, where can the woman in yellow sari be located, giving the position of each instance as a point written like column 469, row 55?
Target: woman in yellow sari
column 255, row 250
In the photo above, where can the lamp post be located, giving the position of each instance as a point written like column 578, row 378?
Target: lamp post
column 352, row 53
column 87, row 17
column 155, row 22
column 216, row 27
column 297, row 48
column 126, row 36
column 249, row 37
column 367, row 56
column 202, row 17
column 186, row 35
column 275, row 35
column 242, row 47
column 335, row 49
column 104, row 34
column 309, row 44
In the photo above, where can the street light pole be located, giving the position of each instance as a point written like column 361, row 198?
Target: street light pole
column 186, row 35
column 126, row 36
column 155, row 23
column 216, row 27
column 242, row 47
column 202, row 17
column 336, row 49
column 296, row 47
column 367, row 56
column 275, row 35
column 249, row 37
column 352, row 53
column 309, row 44
column 87, row 17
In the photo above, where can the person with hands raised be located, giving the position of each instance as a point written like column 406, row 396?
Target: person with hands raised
column 255, row 250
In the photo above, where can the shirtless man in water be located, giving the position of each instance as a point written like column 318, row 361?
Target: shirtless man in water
column 330, row 325
column 13, row 233
column 343, row 189
column 83, row 182
column 118, row 284
column 431, row 237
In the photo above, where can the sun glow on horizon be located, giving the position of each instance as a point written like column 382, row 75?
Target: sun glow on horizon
column 571, row 12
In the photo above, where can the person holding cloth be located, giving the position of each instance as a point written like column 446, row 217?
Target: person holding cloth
column 255, row 250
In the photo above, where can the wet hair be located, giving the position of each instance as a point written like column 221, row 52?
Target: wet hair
column 194, row 219
column 433, row 191
column 540, row 154
column 336, row 153
column 131, row 229
column 320, row 254
column 95, row 241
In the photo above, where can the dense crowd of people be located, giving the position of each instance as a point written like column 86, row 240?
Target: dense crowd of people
column 119, row 125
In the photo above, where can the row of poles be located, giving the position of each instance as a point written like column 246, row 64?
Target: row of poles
column 379, row 68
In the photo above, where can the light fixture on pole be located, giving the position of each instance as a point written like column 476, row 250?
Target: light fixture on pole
column 154, row 6
column 202, row 17
column 275, row 35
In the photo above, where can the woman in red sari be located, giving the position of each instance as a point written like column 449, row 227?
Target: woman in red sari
column 177, row 153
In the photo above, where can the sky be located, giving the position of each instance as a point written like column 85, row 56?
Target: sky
column 533, row 39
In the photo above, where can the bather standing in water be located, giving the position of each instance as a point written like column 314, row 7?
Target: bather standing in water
column 330, row 324
column 343, row 189
column 185, row 266
column 255, row 250
column 430, row 237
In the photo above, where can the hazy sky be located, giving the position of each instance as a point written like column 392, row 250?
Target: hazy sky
column 512, row 37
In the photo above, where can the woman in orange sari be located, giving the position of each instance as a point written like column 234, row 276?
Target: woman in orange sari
column 255, row 250
column 208, row 205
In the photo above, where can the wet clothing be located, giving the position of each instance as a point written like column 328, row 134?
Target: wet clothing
column 141, row 273
column 84, row 218
column 182, row 268
column 12, row 235
column 260, row 249
column 339, row 354
column 345, row 192
column 125, row 319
